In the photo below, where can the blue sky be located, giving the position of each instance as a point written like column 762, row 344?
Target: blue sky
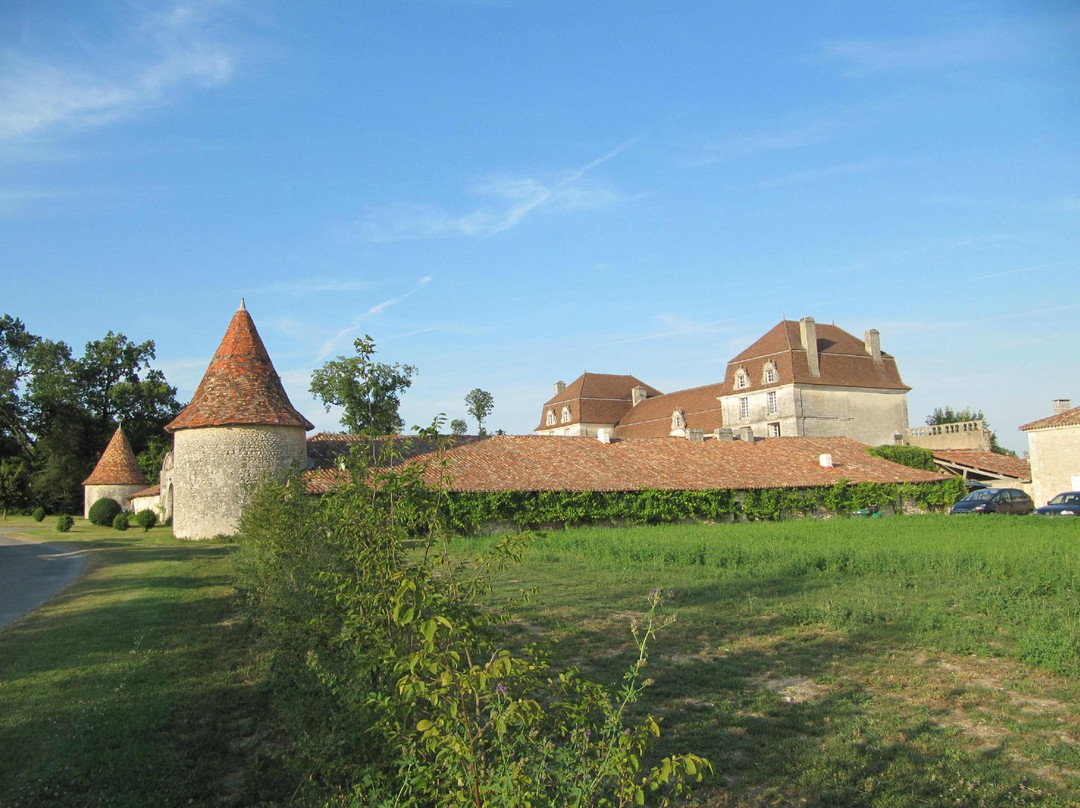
column 505, row 194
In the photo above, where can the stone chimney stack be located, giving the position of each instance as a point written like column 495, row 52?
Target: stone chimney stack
column 808, row 333
column 559, row 387
column 873, row 344
column 637, row 395
column 1062, row 405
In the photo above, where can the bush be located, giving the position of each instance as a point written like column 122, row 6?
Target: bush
column 104, row 511
column 912, row 456
column 64, row 523
column 39, row 514
column 386, row 676
column 120, row 521
column 146, row 519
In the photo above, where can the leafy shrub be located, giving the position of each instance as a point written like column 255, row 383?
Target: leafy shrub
column 64, row 523
column 386, row 676
column 146, row 519
column 39, row 514
column 104, row 511
column 912, row 456
column 120, row 522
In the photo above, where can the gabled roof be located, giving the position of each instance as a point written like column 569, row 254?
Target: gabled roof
column 701, row 405
column 1067, row 418
column 842, row 358
column 117, row 465
column 545, row 463
column 241, row 386
column 595, row 398
column 986, row 463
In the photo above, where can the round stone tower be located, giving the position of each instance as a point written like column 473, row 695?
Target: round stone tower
column 116, row 476
column 239, row 428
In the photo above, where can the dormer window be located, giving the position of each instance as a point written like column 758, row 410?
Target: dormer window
column 566, row 415
column 769, row 375
column 550, row 421
column 742, row 379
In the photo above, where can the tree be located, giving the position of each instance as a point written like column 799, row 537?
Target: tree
column 458, row 426
column 368, row 391
column 14, row 484
column 480, row 404
column 948, row 415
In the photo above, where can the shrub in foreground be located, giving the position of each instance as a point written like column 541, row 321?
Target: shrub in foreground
column 104, row 511
column 39, row 514
column 387, row 677
column 120, row 522
column 64, row 523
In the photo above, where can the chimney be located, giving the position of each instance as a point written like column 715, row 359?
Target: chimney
column 603, row 435
column 559, row 387
column 695, row 435
column 637, row 395
column 873, row 344
column 725, row 434
column 746, row 434
column 808, row 333
column 1062, row 405
column 825, row 461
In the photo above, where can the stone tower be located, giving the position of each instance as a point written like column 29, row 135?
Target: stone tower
column 116, row 476
column 238, row 429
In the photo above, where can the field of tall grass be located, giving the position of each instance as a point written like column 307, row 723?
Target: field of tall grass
column 903, row 661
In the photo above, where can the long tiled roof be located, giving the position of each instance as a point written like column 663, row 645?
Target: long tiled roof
column 1067, row 418
column 987, row 462
column 842, row 358
column 241, row 386
column 595, row 398
column 544, row 463
column 117, row 465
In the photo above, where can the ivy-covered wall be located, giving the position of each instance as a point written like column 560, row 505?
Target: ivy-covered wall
column 468, row 512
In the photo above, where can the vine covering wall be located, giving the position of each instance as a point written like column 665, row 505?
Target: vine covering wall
column 469, row 512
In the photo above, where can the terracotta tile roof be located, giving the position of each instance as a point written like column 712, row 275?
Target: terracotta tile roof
column 842, row 357
column 1067, row 418
column 152, row 491
column 652, row 417
column 545, row 463
column 117, row 465
column 595, row 398
column 240, row 386
column 988, row 462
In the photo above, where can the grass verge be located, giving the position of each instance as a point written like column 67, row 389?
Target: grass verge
column 131, row 687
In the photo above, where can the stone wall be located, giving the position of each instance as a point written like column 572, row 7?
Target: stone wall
column 216, row 468
column 92, row 493
column 1055, row 461
column 971, row 435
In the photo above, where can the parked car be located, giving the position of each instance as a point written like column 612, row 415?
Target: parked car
column 1064, row 504
column 995, row 500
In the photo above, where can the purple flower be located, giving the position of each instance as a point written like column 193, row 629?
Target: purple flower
column 501, row 688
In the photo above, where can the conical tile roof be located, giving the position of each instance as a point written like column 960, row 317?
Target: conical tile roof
column 241, row 386
column 118, row 465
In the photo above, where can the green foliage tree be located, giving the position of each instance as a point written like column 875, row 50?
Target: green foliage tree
column 947, row 415
column 458, row 426
column 480, row 403
column 367, row 391
column 14, row 484
column 387, row 676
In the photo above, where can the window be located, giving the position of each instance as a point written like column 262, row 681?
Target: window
column 744, row 408
column 566, row 415
column 742, row 379
column 551, row 418
column 769, row 376
column 771, row 403
column 774, row 430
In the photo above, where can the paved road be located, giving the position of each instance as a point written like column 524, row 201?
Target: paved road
column 31, row 573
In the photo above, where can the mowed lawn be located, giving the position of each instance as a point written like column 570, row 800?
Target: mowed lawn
column 904, row 661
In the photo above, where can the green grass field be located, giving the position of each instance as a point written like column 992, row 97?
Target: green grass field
column 906, row 661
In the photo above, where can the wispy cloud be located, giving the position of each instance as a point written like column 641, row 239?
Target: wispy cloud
column 155, row 57
column 329, row 346
column 317, row 286
column 514, row 200
column 671, row 325
column 868, row 57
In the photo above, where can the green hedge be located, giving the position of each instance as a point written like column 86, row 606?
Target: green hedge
column 914, row 456
column 468, row 512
